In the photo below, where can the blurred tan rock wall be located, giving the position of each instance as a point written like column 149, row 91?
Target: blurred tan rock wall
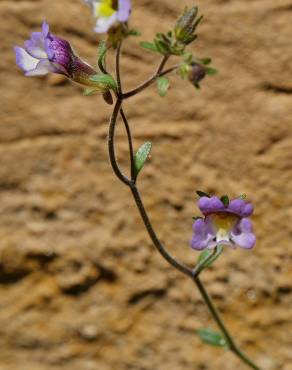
column 81, row 287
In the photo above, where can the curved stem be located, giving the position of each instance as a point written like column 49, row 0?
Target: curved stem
column 118, row 74
column 131, row 150
column 232, row 345
column 192, row 273
column 111, row 144
column 161, row 249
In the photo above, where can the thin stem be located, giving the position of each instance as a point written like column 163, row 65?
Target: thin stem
column 129, row 137
column 111, row 144
column 161, row 249
column 118, row 74
column 144, row 85
column 192, row 273
column 232, row 345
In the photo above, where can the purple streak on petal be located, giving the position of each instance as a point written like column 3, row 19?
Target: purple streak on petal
column 243, row 235
column 210, row 205
column 240, row 208
column 25, row 61
column 59, row 51
column 203, row 236
column 124, row 10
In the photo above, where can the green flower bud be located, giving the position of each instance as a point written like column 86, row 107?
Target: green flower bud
column 186, row 25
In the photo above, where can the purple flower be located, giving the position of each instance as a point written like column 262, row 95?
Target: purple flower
column 223, row 224
column 45, row 53
column 109, row 13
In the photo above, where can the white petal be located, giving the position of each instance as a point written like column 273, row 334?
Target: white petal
column 104, row 23
column 42, row 68
column 25, row 61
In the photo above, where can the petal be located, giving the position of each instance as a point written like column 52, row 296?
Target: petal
column 240, row 208
column 25, row 61
column 124, row 10
column 210, row 205
column 45, row 29
column 203, row 236
column 43, row 67
column 243, row 235
column 103, row 24
column 36, row 48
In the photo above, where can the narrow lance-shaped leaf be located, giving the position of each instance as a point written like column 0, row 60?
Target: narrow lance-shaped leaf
column 162, row 86
column 141, row 156
column 206, row 256
column 149, row 46
column 212, row 337
column 101, row 53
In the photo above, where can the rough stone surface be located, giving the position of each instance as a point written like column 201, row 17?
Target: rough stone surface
column 81, row 286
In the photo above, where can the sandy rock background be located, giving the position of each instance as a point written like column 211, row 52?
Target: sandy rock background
column 81, row 286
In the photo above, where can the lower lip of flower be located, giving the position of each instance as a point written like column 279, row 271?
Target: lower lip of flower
column 223, row 224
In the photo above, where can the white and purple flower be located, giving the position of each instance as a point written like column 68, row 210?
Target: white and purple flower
column 45, row 53
column 223, row 224
column 109, row 12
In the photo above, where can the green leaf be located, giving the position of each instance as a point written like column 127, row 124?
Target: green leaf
column 90, row 91
column 141, row 156
column 149, row 46
column 212, row 337
column 243, row 196
column 225, row 200
column 204, row 256
column 102, row 49
column 205, row 61
column 202, row 194
column 104, row 79
column 162, row 86
column 211, row 71
column 133, row 32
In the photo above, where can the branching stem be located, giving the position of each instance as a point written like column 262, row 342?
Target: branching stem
column 192, row 273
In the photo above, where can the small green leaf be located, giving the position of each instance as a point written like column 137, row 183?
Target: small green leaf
column 149, row 46
column 133, row 32
column 243, row 196
column 102, row 49
column 202, row 194
column 204, row 256
column 105, row 79
column 205, row 61
column 141, row 156
column 212, row 337
column 225, row 200
column 162, row 86
column 211, row 71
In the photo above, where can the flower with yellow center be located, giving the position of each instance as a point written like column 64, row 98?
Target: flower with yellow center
column 109, row 13
column 223, row 224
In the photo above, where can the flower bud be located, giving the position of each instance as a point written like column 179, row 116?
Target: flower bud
column 186, row 26
column 196, row 72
